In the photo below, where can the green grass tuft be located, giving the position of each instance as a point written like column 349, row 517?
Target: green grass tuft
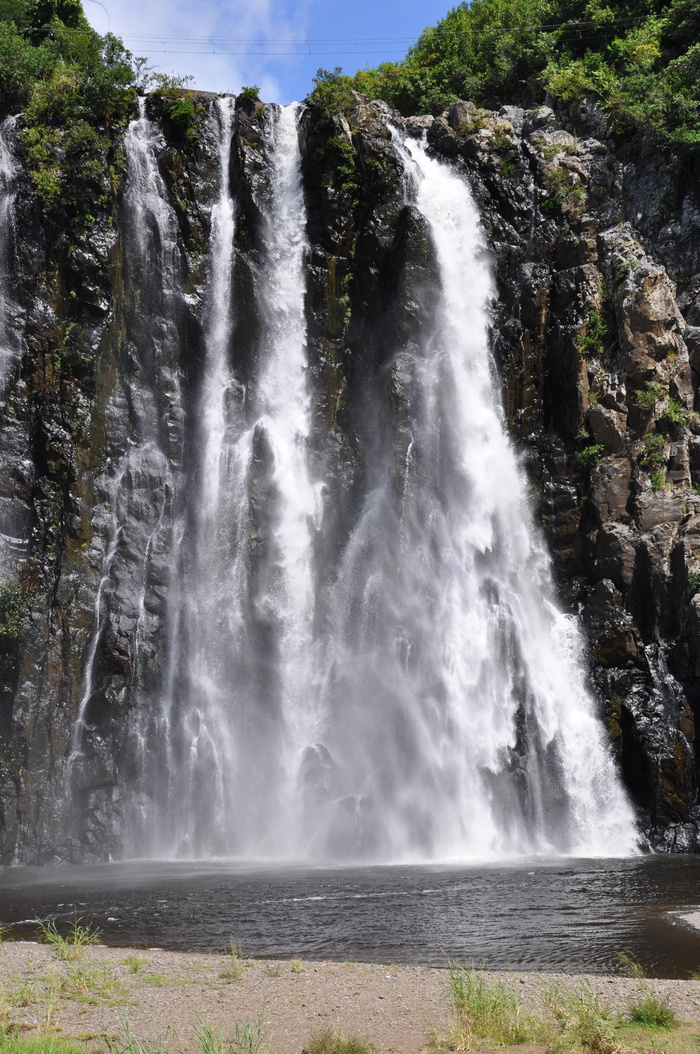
column 71, row 946
column 647, row 1009
column 330, row 1042
column 13, row 1043
column 486, row 1010
column 235, row 970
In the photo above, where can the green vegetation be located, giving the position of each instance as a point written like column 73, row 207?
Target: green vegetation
column 562, row 191
column 590, row 455
column 694, row 582
column 601, row 328
column 12, row 612
column 13, row 1043
column 71, row 946
column 649, row 396
column 13, row 623
column 639, row 58
column 330, row 1042
column 646, row 1009
column 249, row 1037
column 332, row 91
column 486, row 1010
column 235, row 970
column 654, row 452
column 564, row 1017
column 675, row 414
column 180, row 107
column 581, row 1021
column 571, row 1018
column 128, row 1043
column 75, row 88
column 249, row 91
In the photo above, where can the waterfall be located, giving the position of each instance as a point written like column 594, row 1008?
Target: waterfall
column 422, row 700
column 236, row 704
column 132, row 524
column 9, row 172
column 456, row 719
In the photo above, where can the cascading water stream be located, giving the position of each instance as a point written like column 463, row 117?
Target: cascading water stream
column 200, row 598
column 237, row 702
column 9, row 172
column 284, row 407
column 138, row 482
column 457, row 724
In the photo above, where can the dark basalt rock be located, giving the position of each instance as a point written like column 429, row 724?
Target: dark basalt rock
column 596, row 336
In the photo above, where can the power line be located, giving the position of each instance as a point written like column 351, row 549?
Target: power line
column 279, row 47
column 272, row 40
column 262, row 51
column 565, row 27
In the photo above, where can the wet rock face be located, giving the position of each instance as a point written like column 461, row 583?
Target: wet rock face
column 596, row 334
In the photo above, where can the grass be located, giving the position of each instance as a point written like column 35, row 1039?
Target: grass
column 128, row 1043
column 486, row 1010
column 580, row 1021
column 332, row 1042
column 235, row 971
column 296, row 966
column 249, row 1037
column 572, row 1018
column 646, row 1009
column 13, row 1043
column 71, row 946
column 90, row 985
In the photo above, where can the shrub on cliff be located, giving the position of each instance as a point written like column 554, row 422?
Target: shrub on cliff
column 640, row 59
column 75, row 88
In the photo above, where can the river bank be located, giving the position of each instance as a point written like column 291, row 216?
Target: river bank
column 166, row 996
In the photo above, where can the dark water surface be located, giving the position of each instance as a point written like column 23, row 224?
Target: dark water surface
column 570, row 915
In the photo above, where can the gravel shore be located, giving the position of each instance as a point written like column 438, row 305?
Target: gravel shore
column 165, row 995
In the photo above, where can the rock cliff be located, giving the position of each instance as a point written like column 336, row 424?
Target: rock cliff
column 596, row 338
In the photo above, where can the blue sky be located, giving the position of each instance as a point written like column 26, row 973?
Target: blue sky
column 340, row 33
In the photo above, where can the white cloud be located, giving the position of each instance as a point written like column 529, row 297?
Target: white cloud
column 259, row 20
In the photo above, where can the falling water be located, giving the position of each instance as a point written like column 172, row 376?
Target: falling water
column 235, row 707
column 151, row 219
column 457, row 724
column 138, row 482
column 424, row 700
column 9, row 171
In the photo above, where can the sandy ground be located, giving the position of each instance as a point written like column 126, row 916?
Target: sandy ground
column 165, row 994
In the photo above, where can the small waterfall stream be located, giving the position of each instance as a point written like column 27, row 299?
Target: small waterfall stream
column 9, row 172
column 139, row 480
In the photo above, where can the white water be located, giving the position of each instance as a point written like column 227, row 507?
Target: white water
column 235, row 707
column 457, row 722
column 138, row 481
column 151, row 217
column 423, row 701
column 9, row 171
